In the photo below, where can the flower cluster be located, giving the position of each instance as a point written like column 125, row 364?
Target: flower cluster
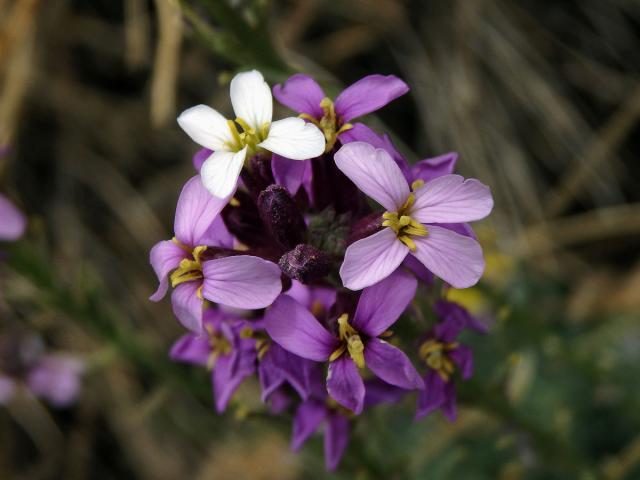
column 302, row 241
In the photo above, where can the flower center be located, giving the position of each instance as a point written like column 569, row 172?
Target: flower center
column 263, row 343
column 350, row 341
column 330, row 124
column 434, row 354
column 188, row 269
column 248, row 137
column 219, row 346
column 401, row 222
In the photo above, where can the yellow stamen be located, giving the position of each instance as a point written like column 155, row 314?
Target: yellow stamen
column 403, row 225
column 317, row 308
column 249, row 137
column 434, row 354
column 417, row 184
column 330, row 124
column 351, row 342
column 234, row 202
column 188, row 270
column 219, row 346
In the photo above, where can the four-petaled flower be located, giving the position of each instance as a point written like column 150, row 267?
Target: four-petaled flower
column 302, row 94
column 412, row 221
column 253, row 106
column 241, row 281
column 443, row 355
column 351, row 344
column 223, row 350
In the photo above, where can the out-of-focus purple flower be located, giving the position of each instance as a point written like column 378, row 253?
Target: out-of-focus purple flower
column 241, row 281
column 56, row 378
column 350, row 345
column 302, row 94
column 443, row 355
column 223, row 350
column 12, row 221
column 413, row 219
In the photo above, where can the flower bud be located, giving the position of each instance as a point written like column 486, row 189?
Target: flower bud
column 305, row 263
column 242, row 219
column 365, row 227
column 258, row 176
column 280, row 215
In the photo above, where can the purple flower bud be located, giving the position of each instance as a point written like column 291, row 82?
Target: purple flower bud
column 280, row 215
column 365, row 227
column 305, row 264
column 258, row 176
column 243, row 221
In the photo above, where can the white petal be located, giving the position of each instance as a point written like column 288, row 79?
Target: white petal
column 295, row 139
column 251, row 99
column 206, row 127
column 221, row 170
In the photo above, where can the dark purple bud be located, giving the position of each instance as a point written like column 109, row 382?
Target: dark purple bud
column 243, row 220
column 258, row 176
column 332, row 188
column 280, row 215
column 305, row 263
column 365, row 227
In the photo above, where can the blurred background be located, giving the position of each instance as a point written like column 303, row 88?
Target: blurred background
column 541, row 99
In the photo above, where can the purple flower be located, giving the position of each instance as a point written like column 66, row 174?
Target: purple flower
column 302, row 94
column 412, row 221
column 12, row 221
column 350, row 344
column 241, row 281
column 54, row 377
column 320, row 409
column 443, row 355
column 223, row 350
column 276, row 365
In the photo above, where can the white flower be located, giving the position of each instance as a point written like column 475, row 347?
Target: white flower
column 292, row 137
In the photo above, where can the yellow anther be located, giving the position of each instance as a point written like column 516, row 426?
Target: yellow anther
column 262, row 347
column 408, row 242
column 356, row 350
column 337, row 352
column 237, row 143
column 317, row 308
column 234, row 202
column 248, row 138
column 408, row 203
column 219, row 346
column 246, row 332
column 245, row 126
column 351, row 342
column 188, row 269
column 417, row 184
column 199, row 292
column 434, row 354
column 403, row 225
